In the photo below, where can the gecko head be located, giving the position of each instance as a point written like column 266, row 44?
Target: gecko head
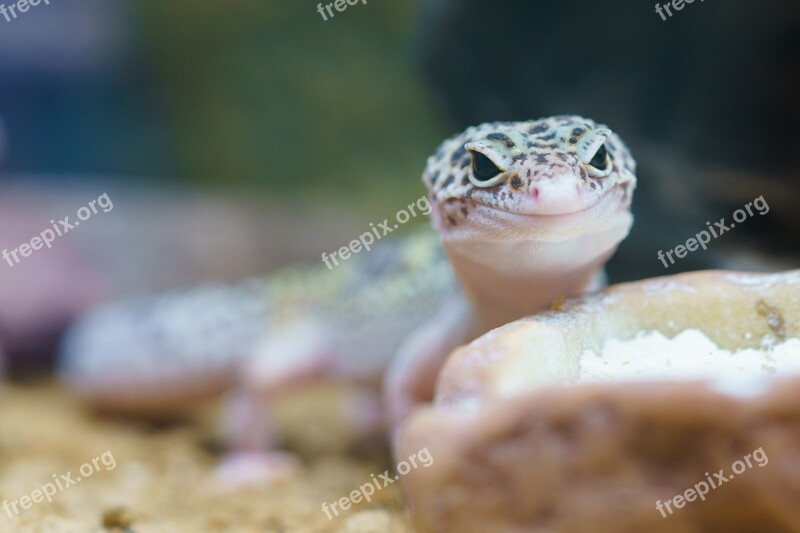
column 548, row 180
column 507, row 194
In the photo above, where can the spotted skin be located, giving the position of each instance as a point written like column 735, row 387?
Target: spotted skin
column 150, row 352
column 537, row 227
column 533, row 154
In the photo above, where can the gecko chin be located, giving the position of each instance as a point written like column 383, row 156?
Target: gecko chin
column 513, row 242
column 547, row 222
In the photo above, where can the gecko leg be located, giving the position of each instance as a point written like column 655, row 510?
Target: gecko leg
column 284, row 360
column 412, row 376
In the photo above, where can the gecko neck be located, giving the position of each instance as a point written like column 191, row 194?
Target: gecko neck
column 507, row 281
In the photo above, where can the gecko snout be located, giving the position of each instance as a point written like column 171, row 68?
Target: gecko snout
column 557, row 197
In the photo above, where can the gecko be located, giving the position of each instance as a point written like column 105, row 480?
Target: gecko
column 524, row 213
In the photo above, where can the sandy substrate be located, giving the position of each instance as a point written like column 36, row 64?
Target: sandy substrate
column 162, row 479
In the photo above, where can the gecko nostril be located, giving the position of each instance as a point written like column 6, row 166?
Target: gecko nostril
column 536, row 193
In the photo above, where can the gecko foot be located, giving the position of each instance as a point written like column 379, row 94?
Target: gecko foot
column 362, row 409
column 256, row 468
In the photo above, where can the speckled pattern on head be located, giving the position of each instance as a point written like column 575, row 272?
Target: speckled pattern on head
column 544, row 168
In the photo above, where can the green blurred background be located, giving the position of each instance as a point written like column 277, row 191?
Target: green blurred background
column 236, row 94
column 267, row 93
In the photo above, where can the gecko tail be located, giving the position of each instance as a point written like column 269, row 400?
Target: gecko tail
column 159, row 353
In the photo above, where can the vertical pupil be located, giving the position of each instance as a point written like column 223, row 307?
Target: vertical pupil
column 599, row 159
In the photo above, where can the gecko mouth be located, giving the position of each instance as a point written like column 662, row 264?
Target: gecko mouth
column 609, row 200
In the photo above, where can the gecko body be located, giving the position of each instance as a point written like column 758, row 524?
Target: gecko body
column 525, row 213
column 159, row 353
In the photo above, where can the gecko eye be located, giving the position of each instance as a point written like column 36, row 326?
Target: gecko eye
column 600, row 165
column 483, row 169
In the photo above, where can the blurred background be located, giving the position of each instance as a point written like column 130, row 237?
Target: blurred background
column 234, row 137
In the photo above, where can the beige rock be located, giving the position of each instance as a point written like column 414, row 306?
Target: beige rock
column 516, row 448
